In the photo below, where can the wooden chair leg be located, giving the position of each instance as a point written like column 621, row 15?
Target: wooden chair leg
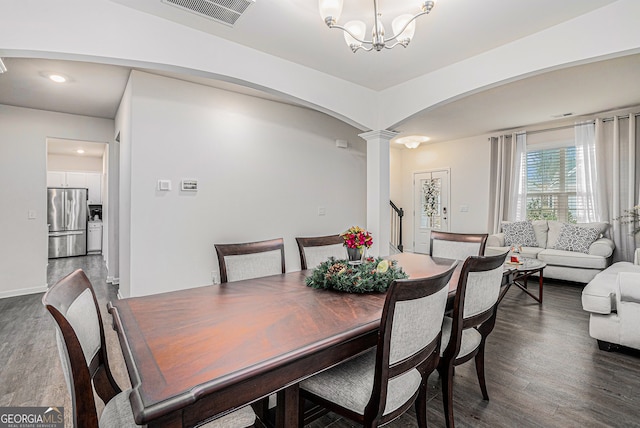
column 421, row 405
column 446, row 375
column 480, row 371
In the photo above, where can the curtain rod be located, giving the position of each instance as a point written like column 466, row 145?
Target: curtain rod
column 587, row 122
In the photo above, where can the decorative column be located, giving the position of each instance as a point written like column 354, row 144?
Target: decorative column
column 378, row 190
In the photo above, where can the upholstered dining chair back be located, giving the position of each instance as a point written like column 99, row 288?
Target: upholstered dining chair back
column 81, row 344
column 414, row 315
column 482, row 290
column 477, row 293
column 317, row 249
column 457, row 246
column 380, row 385
column 250, row 260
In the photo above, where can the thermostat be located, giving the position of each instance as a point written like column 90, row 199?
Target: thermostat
column 190, row 185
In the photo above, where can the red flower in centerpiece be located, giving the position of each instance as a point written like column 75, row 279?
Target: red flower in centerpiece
column 356, row 237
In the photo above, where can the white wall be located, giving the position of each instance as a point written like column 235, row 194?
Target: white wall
column 263, row 169
column 469, row 162
column 74, row 163
column 23, row 155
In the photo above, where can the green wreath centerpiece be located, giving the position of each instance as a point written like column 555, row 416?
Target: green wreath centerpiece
column 373, row 275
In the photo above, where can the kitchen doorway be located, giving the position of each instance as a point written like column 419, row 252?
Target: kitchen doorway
column 76, row 164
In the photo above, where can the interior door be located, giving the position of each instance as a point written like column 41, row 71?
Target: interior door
column 430, row 208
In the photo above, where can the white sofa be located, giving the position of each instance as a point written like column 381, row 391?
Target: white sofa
column 613, row 299
column 561, row 264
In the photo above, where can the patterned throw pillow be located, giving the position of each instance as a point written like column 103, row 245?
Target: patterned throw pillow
column 519, row 233
column 576, row 238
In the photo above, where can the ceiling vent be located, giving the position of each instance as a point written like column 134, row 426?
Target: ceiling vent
column 223, row 11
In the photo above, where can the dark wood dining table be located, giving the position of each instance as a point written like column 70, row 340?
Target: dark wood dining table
column 199, row 352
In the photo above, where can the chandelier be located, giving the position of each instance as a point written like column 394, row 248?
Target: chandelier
column 404, row 26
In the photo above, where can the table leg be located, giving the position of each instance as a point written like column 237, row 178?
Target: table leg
column 287, row 412
column 507, row 282
column 540, row 291
column 523, row 285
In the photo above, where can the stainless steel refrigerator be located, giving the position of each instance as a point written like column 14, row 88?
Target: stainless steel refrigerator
column 67, row 218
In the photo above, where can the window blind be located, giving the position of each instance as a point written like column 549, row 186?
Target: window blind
column 551, row 184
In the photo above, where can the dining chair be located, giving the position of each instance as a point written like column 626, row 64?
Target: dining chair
column 315, row 250
column 250, row 260
column 465, row 332
column 457, row 246
column 381, row 384
column 246, row 261
column 83, row 353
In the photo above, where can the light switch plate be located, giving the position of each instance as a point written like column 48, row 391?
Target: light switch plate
column 164, row 185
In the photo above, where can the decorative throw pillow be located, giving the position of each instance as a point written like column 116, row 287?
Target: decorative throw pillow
column 519, row 233
column 576, row 238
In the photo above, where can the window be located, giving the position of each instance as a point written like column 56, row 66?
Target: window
column 551, row 184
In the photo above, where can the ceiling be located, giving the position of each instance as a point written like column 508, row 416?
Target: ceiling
column 91, row 149
column 453, row 31
column 96, row 89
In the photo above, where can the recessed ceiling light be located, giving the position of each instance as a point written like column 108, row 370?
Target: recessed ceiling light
column 57, row 78
column 412, row 141
column 80, row 151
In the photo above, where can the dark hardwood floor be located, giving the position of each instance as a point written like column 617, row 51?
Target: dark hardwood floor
column 542, row 368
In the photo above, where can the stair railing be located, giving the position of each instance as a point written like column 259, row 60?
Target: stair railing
column 396, row 226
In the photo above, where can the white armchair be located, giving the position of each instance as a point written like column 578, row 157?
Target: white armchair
column 613, row 298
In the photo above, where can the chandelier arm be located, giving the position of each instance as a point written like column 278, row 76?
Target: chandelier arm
column 404, row 45
column 350, row 33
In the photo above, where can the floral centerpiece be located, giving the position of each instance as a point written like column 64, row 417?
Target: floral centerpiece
column 356, row 241
column 631, row 216
column 373, row 275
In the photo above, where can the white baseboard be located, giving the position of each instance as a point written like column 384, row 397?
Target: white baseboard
column 109, row 279
column 115, row 281
column 23, row 291
column 119, row 295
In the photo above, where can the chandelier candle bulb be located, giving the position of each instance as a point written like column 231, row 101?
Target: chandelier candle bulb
column 330, row 10
column 404, row 28
column 354, row 30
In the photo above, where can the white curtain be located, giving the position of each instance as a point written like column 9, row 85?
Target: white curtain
column 508, row 180
column 589, row 205
column 518, row 193
column 617, row 146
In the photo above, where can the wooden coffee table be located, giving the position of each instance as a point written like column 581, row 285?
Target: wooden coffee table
column 519, row 275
